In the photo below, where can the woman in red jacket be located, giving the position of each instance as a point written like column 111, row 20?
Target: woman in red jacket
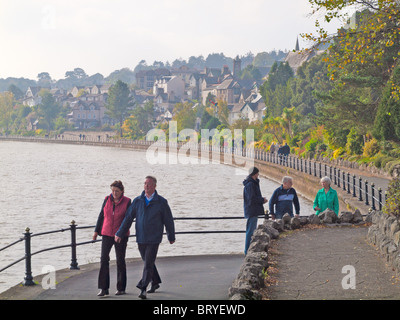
column 110, row 218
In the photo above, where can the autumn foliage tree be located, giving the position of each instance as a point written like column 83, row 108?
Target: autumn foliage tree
column 371, row 35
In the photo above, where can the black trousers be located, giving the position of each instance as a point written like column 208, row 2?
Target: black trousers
column 148, row 252
column 120, row 251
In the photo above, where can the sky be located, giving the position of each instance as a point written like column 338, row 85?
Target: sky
column 101, row 36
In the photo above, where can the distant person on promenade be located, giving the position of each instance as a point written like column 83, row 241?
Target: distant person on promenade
column 283, row 199
column 110, row 218
column 326, row 198
column 152, row 213
column 253, row 203
column 283, row 153
column 272, row 148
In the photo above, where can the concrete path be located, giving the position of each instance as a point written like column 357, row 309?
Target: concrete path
column 183, row 278
column 310, row 265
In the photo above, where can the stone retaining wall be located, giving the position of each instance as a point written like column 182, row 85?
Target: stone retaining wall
column 384, row 233
column 250, row 279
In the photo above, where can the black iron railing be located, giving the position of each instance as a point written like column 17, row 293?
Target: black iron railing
column 28, row 279
column 356, row 186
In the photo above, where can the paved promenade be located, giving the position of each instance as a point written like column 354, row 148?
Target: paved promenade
column 184, row 278
column 310, row 265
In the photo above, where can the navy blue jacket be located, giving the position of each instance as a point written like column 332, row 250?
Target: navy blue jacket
column 150, row 219
column 252, row 199
column 282, row 201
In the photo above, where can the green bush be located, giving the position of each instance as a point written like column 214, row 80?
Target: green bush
column 392, row 205
column 385, row 161
column 311, row 145
column 355, row 142
column 377, row 161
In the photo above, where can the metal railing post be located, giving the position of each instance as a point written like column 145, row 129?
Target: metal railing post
column 348, row 183
column 74, row 263
column 373, row 196
column 28, row 280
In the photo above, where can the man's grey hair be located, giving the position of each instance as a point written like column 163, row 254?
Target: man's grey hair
column 326, row 179
column 152, row 178
column 287, row 179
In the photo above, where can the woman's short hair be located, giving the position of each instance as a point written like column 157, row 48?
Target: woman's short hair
column 118, row 184
column 326, row 179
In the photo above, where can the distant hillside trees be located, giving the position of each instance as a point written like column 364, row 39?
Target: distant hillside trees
column 119, row 103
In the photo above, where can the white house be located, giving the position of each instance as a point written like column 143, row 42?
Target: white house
column 173, row 86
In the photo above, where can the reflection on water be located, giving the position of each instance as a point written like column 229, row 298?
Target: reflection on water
column 45, row 186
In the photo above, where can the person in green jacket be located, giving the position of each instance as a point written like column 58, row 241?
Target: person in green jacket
column 326, row 198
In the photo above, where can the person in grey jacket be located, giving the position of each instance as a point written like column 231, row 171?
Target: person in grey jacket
column 152, row 213
column 283, row 199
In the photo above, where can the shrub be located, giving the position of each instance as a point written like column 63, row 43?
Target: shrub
column 338, row 152
column 385, row 161
column 355, row 142
column 371, row 148
column 311, row 145
column 392, row 205
column 377, row 161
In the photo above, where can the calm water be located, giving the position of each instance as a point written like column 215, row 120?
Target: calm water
column 45, row 186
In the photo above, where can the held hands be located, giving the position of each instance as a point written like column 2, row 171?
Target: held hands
column 265, row 200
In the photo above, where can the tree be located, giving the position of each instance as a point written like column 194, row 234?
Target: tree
column 119, row 102
column 17, row 92
column 276, row 90
column 140, row 122
column 251, row 73
column 77, row 73
column 289, row 118
column 6, row 109
column 48, row 109
column 369, row 35
column 44, row 79
column 387, row 121
column 278, row 75
column 184, row 115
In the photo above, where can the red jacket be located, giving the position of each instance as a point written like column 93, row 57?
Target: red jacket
column 111, row 216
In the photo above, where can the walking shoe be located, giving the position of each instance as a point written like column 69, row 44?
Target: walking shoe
column 120, row 293
column 142, row 294
column 103, row 292
column 153, row 288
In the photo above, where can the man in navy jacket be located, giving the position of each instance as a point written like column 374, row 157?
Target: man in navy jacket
column 283, row 199
column 152, row 213
column 253, row 203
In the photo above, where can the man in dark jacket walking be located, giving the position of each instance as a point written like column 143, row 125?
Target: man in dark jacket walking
column 253, row 203
column 283, row 199
column 152, row 213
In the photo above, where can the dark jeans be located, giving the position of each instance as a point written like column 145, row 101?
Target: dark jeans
column 251, row 225
column 148, row 252
column 104, row 274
